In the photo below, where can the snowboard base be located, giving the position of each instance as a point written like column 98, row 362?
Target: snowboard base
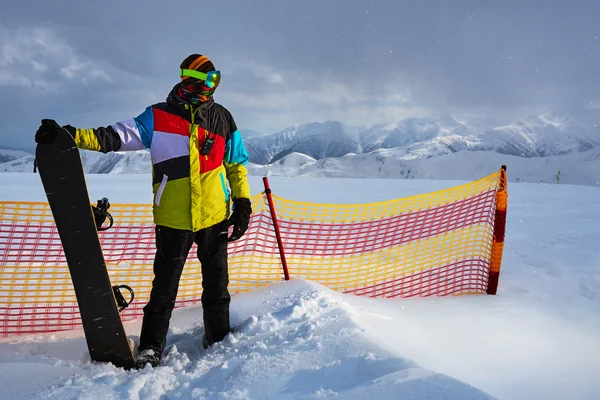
column 62, row 175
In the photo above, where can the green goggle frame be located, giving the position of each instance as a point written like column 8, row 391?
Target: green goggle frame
column 211, row 78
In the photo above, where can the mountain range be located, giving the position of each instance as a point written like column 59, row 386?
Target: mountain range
column 539, row 135
column 439, row 148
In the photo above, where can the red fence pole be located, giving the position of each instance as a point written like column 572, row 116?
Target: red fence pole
column 276, row 227
column 499, row 231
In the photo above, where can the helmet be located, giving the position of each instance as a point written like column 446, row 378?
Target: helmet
column 199, row 79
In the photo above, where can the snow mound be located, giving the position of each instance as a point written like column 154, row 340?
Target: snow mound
column 294, row 160
column 292, row 340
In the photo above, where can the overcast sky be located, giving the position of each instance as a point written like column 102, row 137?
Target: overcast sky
column 93, row 63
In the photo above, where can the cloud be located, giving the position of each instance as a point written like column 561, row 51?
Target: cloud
column 325, row 93
column 307, row 98
column 252, row 71
column 38, row 58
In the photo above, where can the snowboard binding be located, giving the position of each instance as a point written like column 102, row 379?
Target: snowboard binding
column 121, row 302
column 101, row 213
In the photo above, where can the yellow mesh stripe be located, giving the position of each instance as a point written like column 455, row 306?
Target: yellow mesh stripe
column 347, row 272
column 362, row 212
column 48, row 281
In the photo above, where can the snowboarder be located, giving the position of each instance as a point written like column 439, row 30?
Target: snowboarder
column 195, row 148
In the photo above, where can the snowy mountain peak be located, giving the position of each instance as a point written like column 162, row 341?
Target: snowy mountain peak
column 451, row 121
column 10, row 155
column 315, row 139
column 540, row 135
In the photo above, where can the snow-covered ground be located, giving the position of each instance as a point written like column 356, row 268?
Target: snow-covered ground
column 537, row 339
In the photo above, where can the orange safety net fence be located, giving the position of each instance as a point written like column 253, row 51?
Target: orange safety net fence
column 36, row 292
column 439, row 243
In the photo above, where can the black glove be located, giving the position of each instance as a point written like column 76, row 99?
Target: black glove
column 240, row 218
column 47, row 131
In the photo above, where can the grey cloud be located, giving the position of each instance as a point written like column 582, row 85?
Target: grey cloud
column 287, row 62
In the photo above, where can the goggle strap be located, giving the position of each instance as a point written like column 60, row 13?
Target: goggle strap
column 194, row 74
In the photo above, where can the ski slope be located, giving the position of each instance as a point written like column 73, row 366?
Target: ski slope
column 537, row 339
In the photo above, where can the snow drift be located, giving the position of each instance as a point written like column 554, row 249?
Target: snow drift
column 292, row 340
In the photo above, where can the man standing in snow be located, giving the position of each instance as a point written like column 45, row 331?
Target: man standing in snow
column 195, row 149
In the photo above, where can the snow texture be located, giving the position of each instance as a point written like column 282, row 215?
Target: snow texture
column 538, row 338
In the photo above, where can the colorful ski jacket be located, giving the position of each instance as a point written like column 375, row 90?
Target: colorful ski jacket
column 190, row 186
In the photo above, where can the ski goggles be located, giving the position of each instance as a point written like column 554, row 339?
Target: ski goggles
column 211, row 79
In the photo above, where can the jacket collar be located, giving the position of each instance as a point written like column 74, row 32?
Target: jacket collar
column 191, row 112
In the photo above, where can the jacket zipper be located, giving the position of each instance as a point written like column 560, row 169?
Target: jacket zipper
column 193, row 112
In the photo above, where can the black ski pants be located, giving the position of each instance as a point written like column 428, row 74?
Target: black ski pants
column 172, row 249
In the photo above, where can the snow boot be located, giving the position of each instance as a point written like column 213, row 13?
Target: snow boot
column 205, row 343
column 148, row 356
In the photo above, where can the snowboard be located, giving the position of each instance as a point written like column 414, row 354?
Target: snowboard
column 61, row 172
